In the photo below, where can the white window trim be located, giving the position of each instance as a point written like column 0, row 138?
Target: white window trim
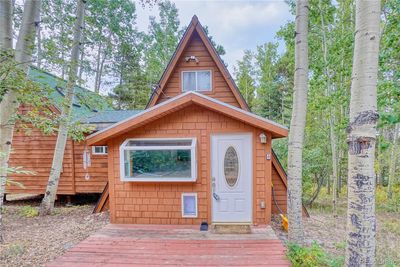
column 97, row 153
column 196, row 90
column 183, row 206
column 193, row 152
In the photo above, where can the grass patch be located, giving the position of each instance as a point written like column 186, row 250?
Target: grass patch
column 29, row 212
column 392, row 225
column 340, row 245
column 383, row 203
column 311, row 256
column 13, row 250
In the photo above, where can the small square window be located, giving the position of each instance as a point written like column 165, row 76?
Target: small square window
column 99, row 150
column 199, row 80
column 189, row 205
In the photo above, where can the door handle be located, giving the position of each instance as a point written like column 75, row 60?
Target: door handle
column 215, row 195
column 213, row 184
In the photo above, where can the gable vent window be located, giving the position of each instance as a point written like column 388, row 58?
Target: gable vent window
column 99, row 150
column 159, row 160
column 196, row 80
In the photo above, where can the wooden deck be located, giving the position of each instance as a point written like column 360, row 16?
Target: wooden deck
column 172, row 245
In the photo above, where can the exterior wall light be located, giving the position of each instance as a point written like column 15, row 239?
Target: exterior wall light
column 263, row 138
column 192, row 58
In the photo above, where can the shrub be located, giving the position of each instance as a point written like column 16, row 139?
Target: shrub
column 311, row 256
column 29, row 211
column 383, row 203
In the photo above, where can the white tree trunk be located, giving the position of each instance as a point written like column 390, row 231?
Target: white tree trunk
column 23, row 54
column 329, row 91
column 47, row 204
column 98, row 62
column 39, row 41
column 5, row 45
column 297, row 125
column 361, row 222
column 6, row 11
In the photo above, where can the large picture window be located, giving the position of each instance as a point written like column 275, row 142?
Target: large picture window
column 199, row 80
column 158, row 160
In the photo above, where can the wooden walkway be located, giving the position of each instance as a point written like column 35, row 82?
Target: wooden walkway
column 172, row 245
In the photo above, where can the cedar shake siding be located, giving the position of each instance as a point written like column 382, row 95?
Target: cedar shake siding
column 34, row 151
column 160, row 203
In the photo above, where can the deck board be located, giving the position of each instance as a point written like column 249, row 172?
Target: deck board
column 173, row 245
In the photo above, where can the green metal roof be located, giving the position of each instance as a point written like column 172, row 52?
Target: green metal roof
column 85, row 101
column 109, row 116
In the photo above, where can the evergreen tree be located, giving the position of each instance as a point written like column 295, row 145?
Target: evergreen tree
column 162, row 40
column 269, row 93
column 244, row 73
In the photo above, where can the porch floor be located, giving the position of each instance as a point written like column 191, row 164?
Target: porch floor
column 175, row 245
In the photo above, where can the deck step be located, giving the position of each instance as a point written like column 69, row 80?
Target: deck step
column 231, row 228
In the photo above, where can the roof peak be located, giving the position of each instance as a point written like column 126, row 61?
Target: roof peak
column 195, row 19
column 193, row 28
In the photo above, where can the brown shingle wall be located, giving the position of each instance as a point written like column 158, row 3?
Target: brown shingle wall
column 98, row 171
column 160, row 203
column 195, row 47
column 280, row 192
column 34, row 152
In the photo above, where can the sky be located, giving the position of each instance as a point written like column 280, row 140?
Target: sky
column 236, row 25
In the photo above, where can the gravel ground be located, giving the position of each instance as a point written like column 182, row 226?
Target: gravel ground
column 37, row 240
column 330, row 233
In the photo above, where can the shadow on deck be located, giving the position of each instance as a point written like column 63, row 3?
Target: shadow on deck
column 175, row 245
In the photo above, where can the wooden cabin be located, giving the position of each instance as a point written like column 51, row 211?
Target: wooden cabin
column 84, row 168
column 196, row 153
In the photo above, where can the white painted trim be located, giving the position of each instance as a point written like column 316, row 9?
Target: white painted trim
column 123, row 147
column 101, row 153
column 182, row 95
column 196, row 71
column 213, row 140
column 241, row 110
column 182, row 205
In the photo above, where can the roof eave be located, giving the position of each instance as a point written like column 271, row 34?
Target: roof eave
column 180, row 101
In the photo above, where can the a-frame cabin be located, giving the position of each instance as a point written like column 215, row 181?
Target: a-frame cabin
column 196, row 153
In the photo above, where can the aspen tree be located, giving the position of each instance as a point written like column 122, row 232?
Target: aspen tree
column 23, row 56
column 47, row 204
column 297, row 125
column 361, row 222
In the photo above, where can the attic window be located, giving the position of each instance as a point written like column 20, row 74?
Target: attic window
column 199, row 80
column 158, row 160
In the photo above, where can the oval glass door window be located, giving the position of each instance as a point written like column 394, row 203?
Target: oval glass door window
column 231, row 166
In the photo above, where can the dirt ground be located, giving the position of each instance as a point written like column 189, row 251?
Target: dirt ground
column 330, row 233
column 37, row 240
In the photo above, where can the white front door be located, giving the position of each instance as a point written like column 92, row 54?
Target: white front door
column 231, row 178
